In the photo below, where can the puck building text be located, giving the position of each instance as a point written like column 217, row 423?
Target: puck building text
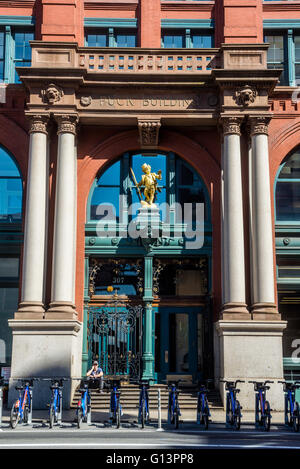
column 205, row 93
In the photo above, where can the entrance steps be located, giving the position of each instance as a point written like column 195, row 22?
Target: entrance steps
column 130, row 398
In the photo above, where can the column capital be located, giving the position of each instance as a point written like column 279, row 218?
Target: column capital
column 38, row 123
column 67, row 123
column 259, row 125
column 231, row 125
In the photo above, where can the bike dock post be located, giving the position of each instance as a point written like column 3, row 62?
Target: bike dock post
column 1, row 404
column 159, row 429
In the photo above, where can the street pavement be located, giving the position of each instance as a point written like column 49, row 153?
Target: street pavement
column 101, row 435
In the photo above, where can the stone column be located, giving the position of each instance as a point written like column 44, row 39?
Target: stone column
column 32, row 296
column 64, row 243
column 234, row 302
column 262, row 255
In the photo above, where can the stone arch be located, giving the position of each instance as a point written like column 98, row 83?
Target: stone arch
column 103, row 154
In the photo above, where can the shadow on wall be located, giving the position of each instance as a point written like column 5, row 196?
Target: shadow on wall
column 41, row 392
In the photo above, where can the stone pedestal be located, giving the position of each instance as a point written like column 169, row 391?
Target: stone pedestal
column 46, row 348
column 251, row 350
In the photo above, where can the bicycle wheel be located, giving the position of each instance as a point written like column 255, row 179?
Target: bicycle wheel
column 79, row 417
column 118, row 416
column 267, row 417
column 237, row 416
column 143, row 414
column 51, row 416
column 14, row 415
column 205, row 420
column 296, row 418
column 25, row 414
column 229, row 416
column 176, row 419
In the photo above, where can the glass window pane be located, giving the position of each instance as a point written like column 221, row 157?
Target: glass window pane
column 8, row 306
column 276, row 49
column 105, row 203
column 173, row 40
column 297, row 48
column 9, row 267
column 288, row 201
column 297, row 73
column 291, row 169
column 126, row 40
column 179, row 343
column 97, row 40
column 111, row 177
column 186, row 175
column 202, row 41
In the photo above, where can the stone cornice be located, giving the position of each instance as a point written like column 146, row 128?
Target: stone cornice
column 119, row 5
column 17, row 3
column 281, row 6
column 186, row 6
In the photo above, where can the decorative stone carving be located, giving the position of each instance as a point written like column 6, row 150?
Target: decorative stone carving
column 85, row 101
column 38, row 123
column 231, row 125
column 259, row 125
column 66, row 123
column 245, row 95
column 52, row 94
column 149, row 132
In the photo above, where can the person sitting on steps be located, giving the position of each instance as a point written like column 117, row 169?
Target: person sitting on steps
column 96, row 376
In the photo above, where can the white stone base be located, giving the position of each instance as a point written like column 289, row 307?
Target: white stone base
column 46, row 348
column 251, row 350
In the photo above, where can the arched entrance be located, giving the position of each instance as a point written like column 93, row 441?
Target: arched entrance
column 148, row 277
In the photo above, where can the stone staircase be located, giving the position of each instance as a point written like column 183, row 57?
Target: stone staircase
column 130, row 398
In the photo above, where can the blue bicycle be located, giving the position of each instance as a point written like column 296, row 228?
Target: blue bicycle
column 173, row 408
column 203, row 412
column 144, row 403
column 22, row 406
column 84, row 404
column 291, row 407
column 233, row 407
column 56, row 399
column 262, row 406
column 115, row 405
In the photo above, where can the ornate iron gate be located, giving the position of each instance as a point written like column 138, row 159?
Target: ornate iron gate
column 115, row 338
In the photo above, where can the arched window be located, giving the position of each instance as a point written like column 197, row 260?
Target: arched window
column 10, row 189
column 180, row 183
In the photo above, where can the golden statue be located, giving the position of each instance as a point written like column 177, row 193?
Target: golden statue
column 149, row 181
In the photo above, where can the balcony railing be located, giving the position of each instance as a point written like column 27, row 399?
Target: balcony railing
column 139, row 61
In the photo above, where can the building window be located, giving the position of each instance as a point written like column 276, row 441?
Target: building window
column 110, row 37
column 10, row 189
column 22, row 50
column 15, row 51
column 187, row 38
column 284, row 53
column 179, row 183
column 287, row 192
column 276, row 54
